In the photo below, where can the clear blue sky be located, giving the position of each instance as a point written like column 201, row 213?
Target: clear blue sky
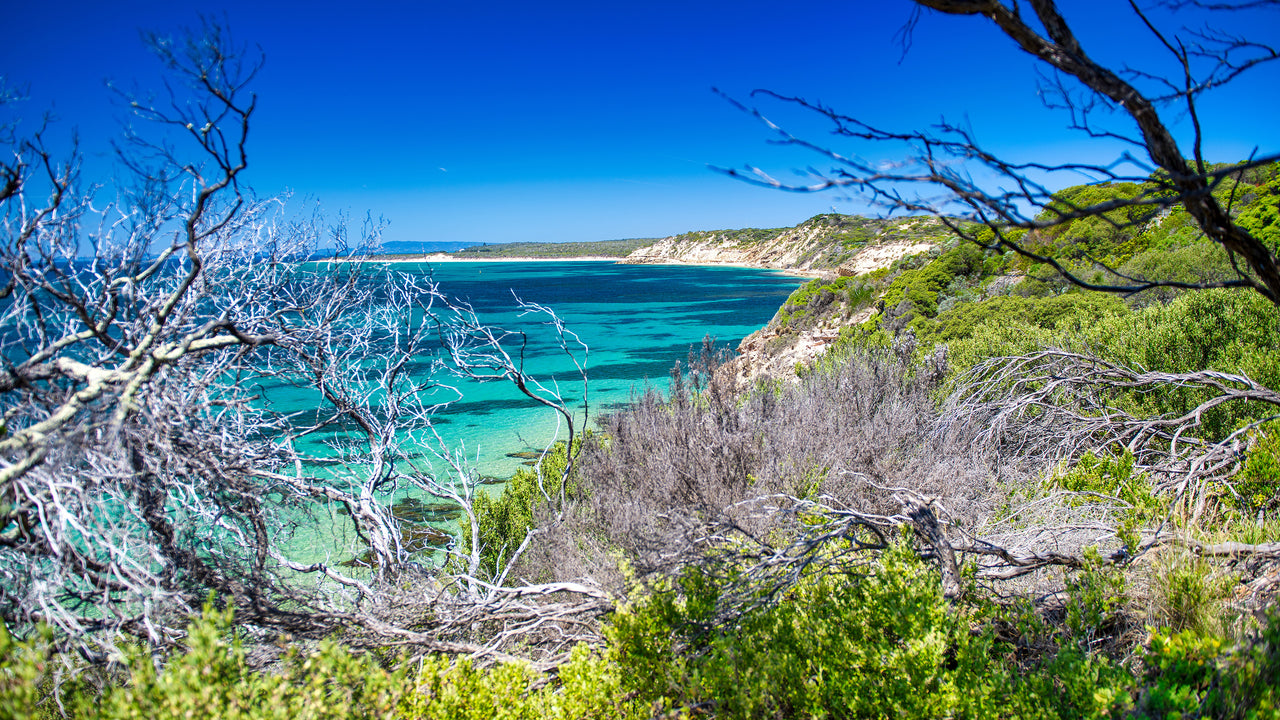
column 501, row 121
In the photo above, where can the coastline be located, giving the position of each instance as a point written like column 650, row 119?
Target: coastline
column 446, row 258
column 505, row 467
column 798, row 272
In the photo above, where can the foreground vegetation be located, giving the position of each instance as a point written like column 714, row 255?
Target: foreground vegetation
column 995, row 495
column 721, row 525
column 880, row 643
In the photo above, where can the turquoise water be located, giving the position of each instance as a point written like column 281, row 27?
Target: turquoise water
column 636, row 321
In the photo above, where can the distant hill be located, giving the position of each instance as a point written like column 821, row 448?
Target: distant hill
column 414, row 247
column 829, row 243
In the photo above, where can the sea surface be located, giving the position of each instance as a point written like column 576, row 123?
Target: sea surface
column 635, row 321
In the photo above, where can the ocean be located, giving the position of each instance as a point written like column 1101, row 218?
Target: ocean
column 636, row 322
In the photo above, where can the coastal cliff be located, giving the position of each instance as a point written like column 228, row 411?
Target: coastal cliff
column 838, row 249
column 826, row 244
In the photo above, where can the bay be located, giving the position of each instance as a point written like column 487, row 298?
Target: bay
column 636, row 322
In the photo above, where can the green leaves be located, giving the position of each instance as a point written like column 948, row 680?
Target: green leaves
column 1194, row 675
column 1257, row 486
column 1095, row 594
column 1101, row 478
column 884, row 643
column 506, row 519
column 1262, row 216
column 212, row 679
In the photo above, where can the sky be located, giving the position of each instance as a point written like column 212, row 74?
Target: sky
column 575, row 121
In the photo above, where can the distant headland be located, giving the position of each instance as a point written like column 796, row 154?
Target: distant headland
column 824, row 245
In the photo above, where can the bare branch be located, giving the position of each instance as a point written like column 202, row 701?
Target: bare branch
column 936, row 174
column 143, row 464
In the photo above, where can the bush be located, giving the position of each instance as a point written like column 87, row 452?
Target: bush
column 23, row 669
column 505, row 520
column 881, row 641
column 1233, row 331
column 882, row 644
column 212, row 679
column 1109, row 238
column 1190, row 675
column 1095, row 596
column 1262, row 216
column 923, row 288
column 1257, row 486
column 1099, row 477
column 668, row 465
column 1224, row 330
column 818, row 299
column 1190, row 260
column 1064, row 314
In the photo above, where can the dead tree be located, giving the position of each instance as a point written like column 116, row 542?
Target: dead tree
column 937, row 175
column 485, row 353
column 141, row 468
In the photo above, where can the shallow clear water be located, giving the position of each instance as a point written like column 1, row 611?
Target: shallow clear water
column 636, row 321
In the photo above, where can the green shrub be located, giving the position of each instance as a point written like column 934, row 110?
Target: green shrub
column 997, row 339
column 1257, row 485
column 1095, row 596
column 1111, row 237
column 1191, row 259
column 212, row 679
column 1223, row 330
column 23, row 670
column 589, row 685
column 884, row 644
column 1190, row 675
column 1262, row 216
column 1099, row 477
column 878, row 643
column 917, row 292
column 1064, row 314
column 505, row 520
column 1230, row 331
column 817, row 299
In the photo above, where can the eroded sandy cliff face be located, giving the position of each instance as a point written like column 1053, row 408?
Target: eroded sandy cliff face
column 770, row 354
column 832, row 244
column 798, row 248
column 829, row 246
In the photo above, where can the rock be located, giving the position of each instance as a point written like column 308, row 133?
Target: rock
column 415, row 539
column 414, row 510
